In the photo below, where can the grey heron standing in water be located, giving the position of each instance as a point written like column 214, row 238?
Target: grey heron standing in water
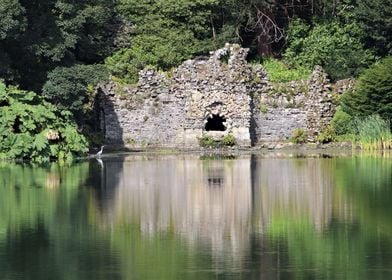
column 100, row 152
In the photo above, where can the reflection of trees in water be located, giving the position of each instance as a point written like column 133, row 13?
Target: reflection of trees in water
column 299, row 188
column 103, row 180
column 366, row 182
column 44, row 227
column 29, row 193
column 356, row 242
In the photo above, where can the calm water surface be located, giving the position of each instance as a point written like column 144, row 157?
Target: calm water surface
column 198, row 217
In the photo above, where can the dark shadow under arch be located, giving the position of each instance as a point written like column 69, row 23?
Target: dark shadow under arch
column 215, row 123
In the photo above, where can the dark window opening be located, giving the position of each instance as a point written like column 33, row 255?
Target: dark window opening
column 215, row 123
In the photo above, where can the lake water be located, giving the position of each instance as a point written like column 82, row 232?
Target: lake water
column 198, row 217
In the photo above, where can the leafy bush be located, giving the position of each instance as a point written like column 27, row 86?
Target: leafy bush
column 207, row 142
column 72, row 88
column 229, row 140
column 342, row 122
column 299, row 136
column 327, row 136
column 280, row 72
column 165, row 34
column 373, row 92
column 162, row 52
column 31, row 128
column 334, row 45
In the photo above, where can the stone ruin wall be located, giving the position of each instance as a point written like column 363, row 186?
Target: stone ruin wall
column 280, row 108
column 142, row 115
column 217, row 86
column 171, row 109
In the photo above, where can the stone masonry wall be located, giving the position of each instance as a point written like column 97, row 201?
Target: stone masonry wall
column 217, row 86
column 142, row 115
column 172, row 109
column 280, row 108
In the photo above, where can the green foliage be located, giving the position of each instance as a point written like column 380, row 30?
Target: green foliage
column 70, row 24
column 207, row 142
column 342, row 122
column 335, row 46
column 327, row 136
column 373, row 92
column 299, row 136
column 278, row 71
column 42, row 35
column 366, row 111
column 374, row 18
column 31, row 128
column 38, row 36
column 374, row 133
column 256, row 24
column 165, row 34
column 288, row 91
column 11, row 20
column 163, row 52
column 263, row 108
column 229, row 140
column 70, row 88
column 157, row 15
column 371, row 132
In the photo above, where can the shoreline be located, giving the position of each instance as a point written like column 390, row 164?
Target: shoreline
column 336, row 149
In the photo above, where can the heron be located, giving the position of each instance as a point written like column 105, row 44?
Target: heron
column 100, row 152
column 100, row 162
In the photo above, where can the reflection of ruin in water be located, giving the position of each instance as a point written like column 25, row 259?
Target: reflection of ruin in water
column 215, row 173
column 219, row 203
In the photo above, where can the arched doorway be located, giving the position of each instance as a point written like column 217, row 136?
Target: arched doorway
column 215, row 123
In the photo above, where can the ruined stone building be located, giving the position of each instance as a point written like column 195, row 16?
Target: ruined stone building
column 215, row 96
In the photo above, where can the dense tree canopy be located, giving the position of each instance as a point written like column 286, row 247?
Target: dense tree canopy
column 38, row 35
column 71, row 88
column 373, row 93
column 375, row 17
column 132, row 34
column 11, row 20
column 334, row 45
column 165, row 34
